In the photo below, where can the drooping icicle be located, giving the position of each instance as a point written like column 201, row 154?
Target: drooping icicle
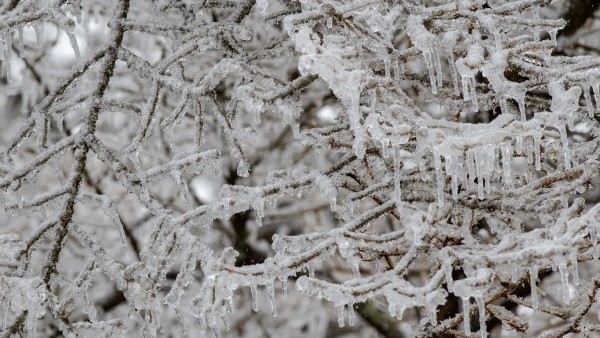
column 536, row 16
column 182, row 182
column 453, row 73
column 586, row 87
column 466, row 304
column 594, row 239
column 564, row 278
column 438, row 175
column 284, row 285
column 7, row 55
column 466, row 225
column 20, row 38
column 448, row 43
column 426, row 43
column 254, row 292
column 259, row 210
column 596, row 90
column 397, row 189
column 452, row 169
column 533, row 277
column 341, row 319
column 470, row 163
column 553, row 33
column 428, row 56
column 386, row 66
column 537, row 150
column 40, row 31
column 489, row 165
column 468, row 67
column 464, row 80
column 396, row 69
column 479, row 168
column 565, row 142
column 373, row 103
column 448, row 274
column 519, row 144
column 481, row 307
column 506, row 149
column 574, row 266
column 351, row 314
column 521, row 103
column 73, row 41
column 354, row 116
column 226, row 324
column 271, row 293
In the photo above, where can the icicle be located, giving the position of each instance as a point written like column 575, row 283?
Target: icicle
column 438, row 174
column 564, row 278
column 552, row 33
column 537, row 150
column 466, row 314
column 479, row 168
column 465, row 87
column 488, row 168
column 474, row 100
column 259, row 210
column 430, row 63
column 519, row 145
column 397, row 188
column 262, row 6
column 565, row 142
column 386, row 65
column 448, row 273
column 396, row 70
column 521, row 103
column 470, row 162
column 329, row 22
column 373, row 104
column 254, row 292
column 180, row 180
column 586, row 87
column 356, row 126
column 215, row 330
column 40, row 31
column 284, row 286
column 536, row 16
column 351, row 314
column 7, row 55
column 226, row 325
column 454, row 178
column 438, row 66
column 355, row 266
column 271, row 293
column 574, row 266
column 243, row 169
column 533, row 277
column 596, row 90
column 20, row 39
column 593, row 238
column 341, row 320
column 481, row 306
column 454, row 73
column 506, row 150
column 466, row 226
column 311, row 271
column 426, row 43
column 73, row 41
